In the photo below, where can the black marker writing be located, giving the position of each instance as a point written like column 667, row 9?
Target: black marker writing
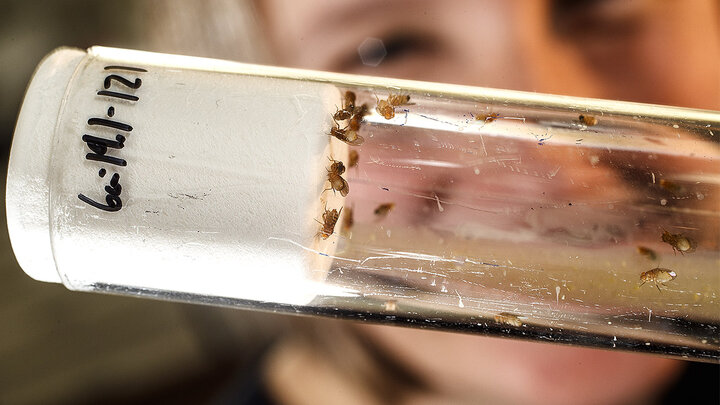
column 100, row 146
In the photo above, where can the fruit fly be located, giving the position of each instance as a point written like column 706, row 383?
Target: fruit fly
column 337, row 183
column 658, row 276
column 383, row 209
column 390, row 305
column 336, row 166
column 330, row 217
column 353, row 158
column 348, row 108
column 386, row 108
column 679, row 242
column 346, row 135
column 647, row 252
column 398, row 99
column 348, row 220
column 588, row 120
column 487, row 117
column 357, row 117
column 508, row 319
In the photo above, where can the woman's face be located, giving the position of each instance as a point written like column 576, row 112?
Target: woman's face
column 663, row 52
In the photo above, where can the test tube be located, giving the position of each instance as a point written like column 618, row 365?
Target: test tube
column 503, row 213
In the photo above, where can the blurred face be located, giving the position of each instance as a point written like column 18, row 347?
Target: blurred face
column 663, row 52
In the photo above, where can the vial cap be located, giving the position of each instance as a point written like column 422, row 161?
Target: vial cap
column 27, row 191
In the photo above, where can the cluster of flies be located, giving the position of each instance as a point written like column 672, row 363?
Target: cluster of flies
column 679, row 243
column 352, row 115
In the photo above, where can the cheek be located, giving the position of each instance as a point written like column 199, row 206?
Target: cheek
column 682, row 61
column 510, row 45
column 532, row 373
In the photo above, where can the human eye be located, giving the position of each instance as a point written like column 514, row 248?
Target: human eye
column 395, row 52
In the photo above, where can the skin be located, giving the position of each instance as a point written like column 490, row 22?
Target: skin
column 663, row 52
column 667, row 58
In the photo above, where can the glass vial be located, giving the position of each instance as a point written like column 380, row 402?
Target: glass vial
column 551, row 218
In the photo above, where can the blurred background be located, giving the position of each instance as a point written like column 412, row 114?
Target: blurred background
column 58, row 346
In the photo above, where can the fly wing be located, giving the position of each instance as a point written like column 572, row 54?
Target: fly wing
column 345, row 187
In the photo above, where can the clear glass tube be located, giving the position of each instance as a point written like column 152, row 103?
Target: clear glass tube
column 537, row 221
column 542, row 217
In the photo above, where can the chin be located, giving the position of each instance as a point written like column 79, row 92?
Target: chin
column 498, row 370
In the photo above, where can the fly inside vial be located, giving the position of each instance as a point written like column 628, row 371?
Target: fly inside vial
column 457, row 208
column 510, row 214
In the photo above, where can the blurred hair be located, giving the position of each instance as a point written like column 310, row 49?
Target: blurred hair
column 223, row 29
